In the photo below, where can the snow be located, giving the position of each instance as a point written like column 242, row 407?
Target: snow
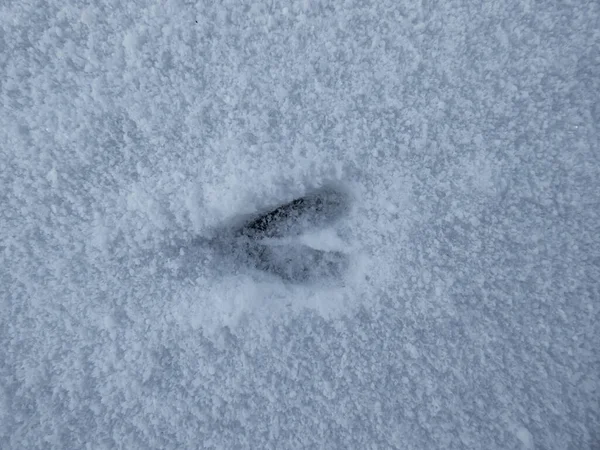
column 468, row 135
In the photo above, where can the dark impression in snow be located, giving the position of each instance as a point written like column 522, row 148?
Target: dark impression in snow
column 263, row 241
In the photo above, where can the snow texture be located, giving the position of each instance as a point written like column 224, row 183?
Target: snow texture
column 468, row 134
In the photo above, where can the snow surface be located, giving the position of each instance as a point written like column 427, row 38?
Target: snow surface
column 468, row 133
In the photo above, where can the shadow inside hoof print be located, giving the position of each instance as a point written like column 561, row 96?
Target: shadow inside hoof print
column 269, row 241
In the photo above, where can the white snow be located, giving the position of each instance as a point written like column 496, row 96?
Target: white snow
column 525, row 437
column 468, row 135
